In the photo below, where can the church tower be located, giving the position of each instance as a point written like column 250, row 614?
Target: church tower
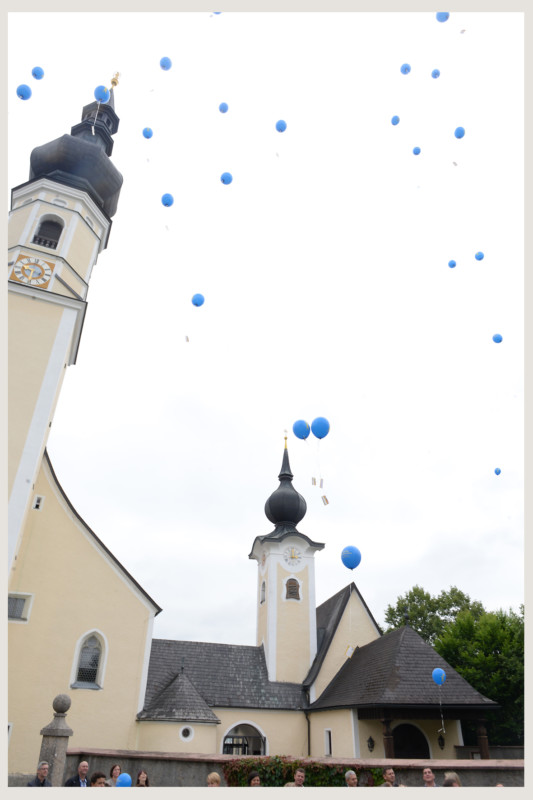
column 286, row 611
column 58, row 225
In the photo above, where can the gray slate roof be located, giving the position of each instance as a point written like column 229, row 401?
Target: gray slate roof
column 396, row 670
column 219, row 675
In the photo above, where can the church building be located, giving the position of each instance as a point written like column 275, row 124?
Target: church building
column 318, row 681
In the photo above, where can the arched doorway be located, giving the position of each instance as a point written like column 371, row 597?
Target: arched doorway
column 244, row 740
column 409, row 742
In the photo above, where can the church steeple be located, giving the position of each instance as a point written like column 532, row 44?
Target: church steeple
column 81, row 159
column 59, row 223
column 286, row 611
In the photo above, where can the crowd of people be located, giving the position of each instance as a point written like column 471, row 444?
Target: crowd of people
column 214, row 780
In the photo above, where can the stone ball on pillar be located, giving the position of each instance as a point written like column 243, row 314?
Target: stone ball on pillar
column 61, row 703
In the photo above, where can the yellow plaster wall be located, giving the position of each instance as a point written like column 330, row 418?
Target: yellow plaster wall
column 28, row 357
column 17, row 221
column 292, row 652
column 81, row 249
column 355, row 629
column 286, row 731
column 340, row 724
column 75, row 589
column 165, row 737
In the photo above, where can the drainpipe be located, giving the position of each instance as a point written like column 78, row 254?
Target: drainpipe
column 308, row 724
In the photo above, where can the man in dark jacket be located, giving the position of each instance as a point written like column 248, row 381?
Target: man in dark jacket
column 81, row 778
column 41, row 779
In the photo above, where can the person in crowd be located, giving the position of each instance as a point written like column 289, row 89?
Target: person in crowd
column 428, row 777
column 41, row 778
column 254, row 779
column 389, row 777
column 98, row 779
column 453, row 777
column 142, row 778
column 213, row 779
column 80, row 779
column 299, row 777
column 351, row 778
column 114, row 772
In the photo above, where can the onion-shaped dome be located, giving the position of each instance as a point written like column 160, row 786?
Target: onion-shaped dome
column 285, row 506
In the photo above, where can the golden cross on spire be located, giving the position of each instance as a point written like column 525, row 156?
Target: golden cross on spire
column 114, row 79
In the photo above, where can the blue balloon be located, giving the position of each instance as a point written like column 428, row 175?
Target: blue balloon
column 281, row 125
column 223, row 107
column 497, row 338
column 442, row 16
column 148, row 133
column 320, row 427
column 123, row 779
column 459, row 133
column 416, row 151
column 479, row 256
column 23, row 91
column 226, row 178
column 165, row 63
column 167, row 200
column 301, row 429
column 38, row 73
column 439, row 676
column 198, row 300
column 452, row 263
column 405, row 69
column 497, row 470
column 435, row 73
column 101, row 94
column 351, row 557
column 395, row 120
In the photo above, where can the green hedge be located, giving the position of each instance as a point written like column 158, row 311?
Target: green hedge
column 279, row 770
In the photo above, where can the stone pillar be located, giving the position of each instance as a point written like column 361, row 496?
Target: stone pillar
column 388, row 741
column 55, row 740
column 482, row 739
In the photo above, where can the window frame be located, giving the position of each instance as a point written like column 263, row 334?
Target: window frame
column 26, row 612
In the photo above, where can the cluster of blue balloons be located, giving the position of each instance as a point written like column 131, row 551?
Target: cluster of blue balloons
column 319, row 427
column 123, row 780
column 479, row 257
column 439, row 676
column 351, row 557
column 24, row 91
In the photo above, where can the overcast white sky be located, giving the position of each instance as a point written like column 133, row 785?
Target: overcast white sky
column 324, row 267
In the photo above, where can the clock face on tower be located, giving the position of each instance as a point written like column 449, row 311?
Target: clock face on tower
column 292, row 556
column 32, row 271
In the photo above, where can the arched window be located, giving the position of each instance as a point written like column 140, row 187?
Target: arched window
column 293, row 589
column 48, row 232
column 89, row 667
column 244, row 740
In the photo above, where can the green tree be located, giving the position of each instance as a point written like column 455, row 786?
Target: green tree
column 488, row 651
column 429, row 616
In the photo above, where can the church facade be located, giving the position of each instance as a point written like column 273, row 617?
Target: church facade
column 319, row 680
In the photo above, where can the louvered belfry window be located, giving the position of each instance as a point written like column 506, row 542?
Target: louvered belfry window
column 48, row 234
column 293, row 589
column 89, row 661
column 15, row 607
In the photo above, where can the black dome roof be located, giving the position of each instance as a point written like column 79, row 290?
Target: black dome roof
column 285, row 506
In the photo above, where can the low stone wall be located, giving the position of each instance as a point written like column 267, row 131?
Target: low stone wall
column 187, row 770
